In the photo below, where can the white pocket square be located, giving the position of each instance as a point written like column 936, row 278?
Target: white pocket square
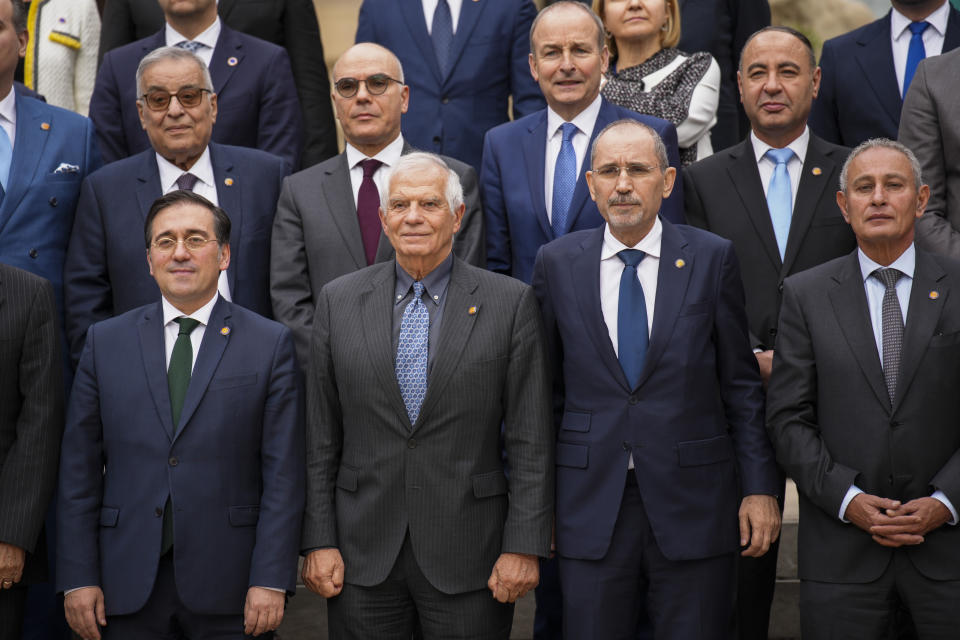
column 66, row 167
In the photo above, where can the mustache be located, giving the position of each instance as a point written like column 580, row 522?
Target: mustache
column 624, row 199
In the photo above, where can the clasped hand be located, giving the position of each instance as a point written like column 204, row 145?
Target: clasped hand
column 893, row 524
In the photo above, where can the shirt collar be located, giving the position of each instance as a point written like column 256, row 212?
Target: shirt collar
column 171, row 313
column 584, row 121
column 798, row 146
column 169, row 172
column 650, row 244
column 8, row 106
column 435, row 283
column 208, row 37
column 938, row 20
column 905, row 263
column 389, row 155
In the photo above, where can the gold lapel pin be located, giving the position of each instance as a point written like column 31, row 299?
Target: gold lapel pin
column 817, row 171
column 228, row 182
column 225, row 331
column 472, row 311
column 934, row 295
column 232, row 61
column 679, row 264
column 45, row 126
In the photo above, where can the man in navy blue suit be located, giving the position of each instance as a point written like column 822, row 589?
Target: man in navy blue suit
column 866, row 72
column 105, row 272
column 463, row 60
column 252, row 77
column 663, row 465
column 182, row 475
column 526, row 200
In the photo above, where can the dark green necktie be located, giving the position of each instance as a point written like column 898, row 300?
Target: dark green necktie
column 178, row 379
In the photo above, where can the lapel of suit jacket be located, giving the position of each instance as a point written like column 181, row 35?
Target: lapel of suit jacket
column 849, row 300
column 585, row 276
column 581, row 193
column 153, row 352
column 469, row 17
column 534, row 154
column 337, row 190
column 875, row 58
column 809, row 191
column 923, row 313
column 31, row 138
column 412, row 12
column 229, row 48
column 155, row 41
column 951, row 39
column 745, row 178
column 229, row 193
column 454, row 333
column 208, row 357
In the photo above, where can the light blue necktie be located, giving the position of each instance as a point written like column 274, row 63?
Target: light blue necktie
column 6, row 157
column 564, row 180
column 915, row 53
column 411, row 365
column 779, row 197
column 441, row 32
column 190, row 45
column 632, row 336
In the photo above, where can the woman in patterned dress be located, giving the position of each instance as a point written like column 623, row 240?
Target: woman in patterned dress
column 649, row 75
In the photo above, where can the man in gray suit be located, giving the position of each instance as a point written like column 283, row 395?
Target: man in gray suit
column 326, row 223
column 930, row 127
column 410, row 512
column 31, row 422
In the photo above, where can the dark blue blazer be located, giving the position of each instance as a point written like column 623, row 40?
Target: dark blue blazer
column 859, row 98
column 449, row 114
column 512, row 186
column 233, row 466
column 106, row 270
column 694, row 422
column 37, row 211
column 256, row 100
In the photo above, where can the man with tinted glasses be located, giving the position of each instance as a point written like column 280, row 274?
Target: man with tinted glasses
column 327, row 223
column 105, row 272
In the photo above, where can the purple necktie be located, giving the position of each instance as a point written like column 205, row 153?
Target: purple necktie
column 187, row 181
column 368, row 204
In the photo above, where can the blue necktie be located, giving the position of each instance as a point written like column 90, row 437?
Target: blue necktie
column 632, row 337
column 564, row 180
column 441, row 32
column 915, row 53
column 6, row 157
column 779, row 197
column 190, row 45
column 411, row 366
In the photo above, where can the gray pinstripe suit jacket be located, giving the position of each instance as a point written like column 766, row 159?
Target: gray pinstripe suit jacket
column 31, row 411
column 371, row 475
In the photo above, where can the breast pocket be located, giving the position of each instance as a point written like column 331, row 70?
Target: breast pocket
column 229, row 382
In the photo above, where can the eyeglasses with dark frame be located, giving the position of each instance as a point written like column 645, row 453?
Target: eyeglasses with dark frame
column 159, row 100
column 166, row 244
column 376, row 85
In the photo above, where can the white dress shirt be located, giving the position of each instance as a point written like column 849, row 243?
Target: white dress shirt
column 171, row 329
column 208, row 38
column 584, row 121
column 932, row 38
column 8, row 117
column 875, row 289
column 766, row 165
column 430, row 7
column 389, row 156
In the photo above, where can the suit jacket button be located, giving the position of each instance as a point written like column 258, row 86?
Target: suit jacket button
column 436, row 139
column 445, row 100
column 34, row 253
column 173, row 462
column 53, row 201
column 626, row 446
column 411, row 444
column 633, row 399
column 780, row 287
column 158, row 511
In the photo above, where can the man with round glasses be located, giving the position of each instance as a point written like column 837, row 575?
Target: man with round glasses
column 105, row 273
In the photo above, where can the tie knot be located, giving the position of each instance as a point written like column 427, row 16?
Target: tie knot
column 187, row 325
column 780, row 156
column 917, row 28
column 417, row 289
column 187, row 181
column 631, row 257
column 190, row 45
column 888, row 277
column 568, row 129
column 370, row 167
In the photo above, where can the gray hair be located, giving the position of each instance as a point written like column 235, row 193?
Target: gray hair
column 601, row 32
column 882, row 143
column 423, row 161
column 659, row 148
column 172, row 53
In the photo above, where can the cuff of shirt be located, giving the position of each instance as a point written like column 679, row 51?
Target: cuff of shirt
column 942, row 497
column 271, row 588
column 852, row 493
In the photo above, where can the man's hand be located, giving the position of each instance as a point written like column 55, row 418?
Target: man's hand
column 911, row 521
column 513, row 575
column 11, row 565
column 84, row 611
column 759, row 524
column 263, row 610
column 765, row 361
column 873, row 513
column 323, row 572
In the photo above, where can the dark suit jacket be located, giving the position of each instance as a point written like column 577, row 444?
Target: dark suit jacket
column 512, row 185
column 723, row 194
column 106, row 268
column 31, row 412
column 292, row 24
column 830, row 418
column 859, row 98
column 233, row 467
column 374, row 477
column 694, row 422
column 450, row 114
column 316, row 238
column 256, row 99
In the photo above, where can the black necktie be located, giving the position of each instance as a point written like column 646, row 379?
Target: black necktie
column 892, row 327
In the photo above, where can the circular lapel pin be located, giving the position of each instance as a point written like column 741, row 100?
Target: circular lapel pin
column 228, row 182
column 232, row 61
column 934, row 295
column 45, row 126
column 817, row 171
column 472, row 311
column 679, row 264
column 225, row 331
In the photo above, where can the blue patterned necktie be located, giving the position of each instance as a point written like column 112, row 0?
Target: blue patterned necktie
column 190, row 45
column 564, row 180
column 632, row 336
column 6, row 157
column 412, row 349
column 441, row 32
column 915, row 53
column 780, row 197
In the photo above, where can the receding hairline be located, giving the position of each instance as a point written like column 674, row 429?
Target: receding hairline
column 569, row 5
column 371, row 47
column 788, row 31
column 635, row 125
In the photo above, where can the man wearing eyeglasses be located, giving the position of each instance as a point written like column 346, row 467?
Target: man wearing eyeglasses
column 105, row 273
column 182, row 474
column 327, row 223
